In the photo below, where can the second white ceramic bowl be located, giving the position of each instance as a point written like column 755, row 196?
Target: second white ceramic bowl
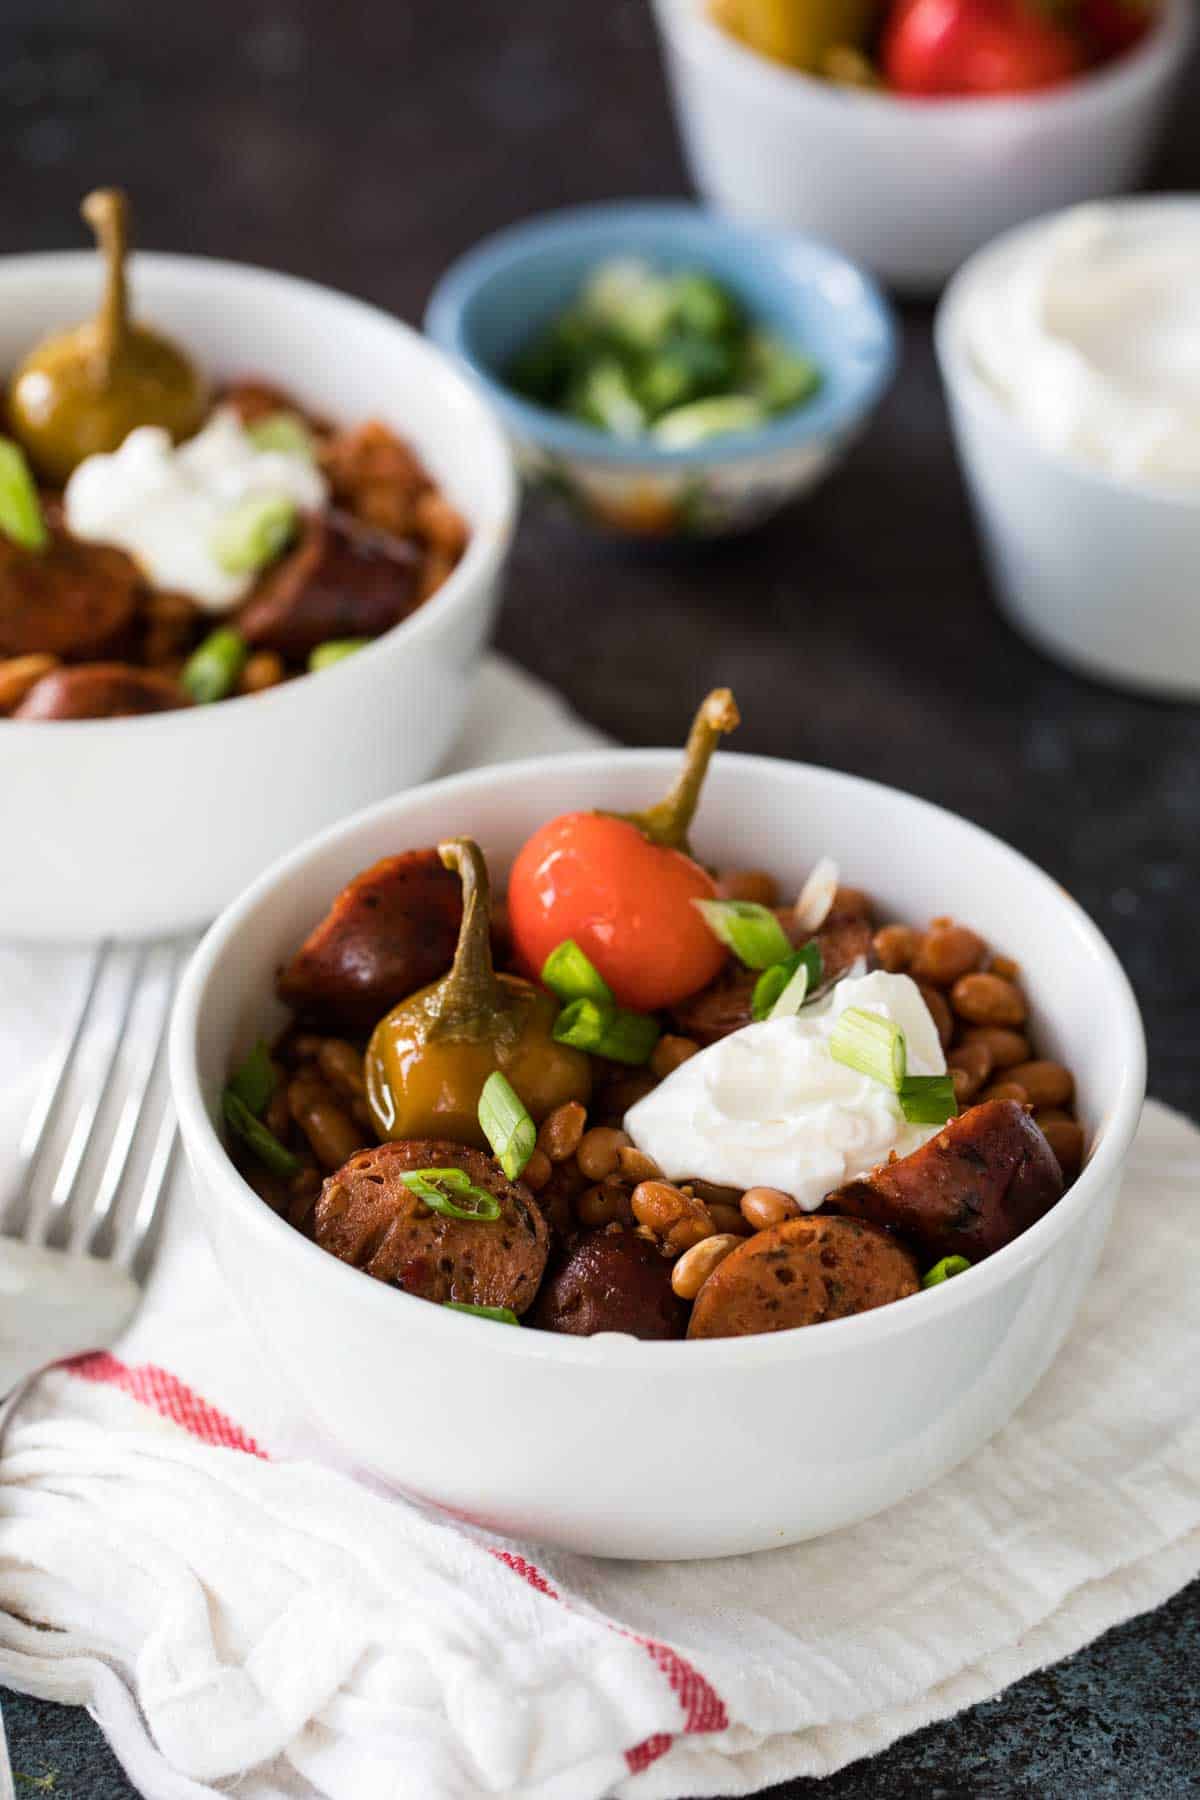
column 907, row 187
column 1098, row 571
column 606, row 1445
column 143, row 827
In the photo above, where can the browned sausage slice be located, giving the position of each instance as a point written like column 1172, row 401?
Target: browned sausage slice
column 725, row 1005
column 611, row 1280
column 801, row 1273
column 983, row 1180
column 367, row 1216
column 101, row 691
column 392, row 930
column 72, row 600
column 340, row 581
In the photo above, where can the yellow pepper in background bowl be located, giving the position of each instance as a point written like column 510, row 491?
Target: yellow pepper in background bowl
column 799, row 32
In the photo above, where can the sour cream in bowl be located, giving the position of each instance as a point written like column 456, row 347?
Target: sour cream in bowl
column 770, row 1106
column 1070, row 351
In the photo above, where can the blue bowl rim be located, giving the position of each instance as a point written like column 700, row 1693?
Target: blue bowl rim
column 457, row 286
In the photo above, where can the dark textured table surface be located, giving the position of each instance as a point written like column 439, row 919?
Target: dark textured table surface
column 366, row 145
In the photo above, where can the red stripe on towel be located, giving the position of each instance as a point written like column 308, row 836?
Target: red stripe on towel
column 702, row 1707
column 166, row 1395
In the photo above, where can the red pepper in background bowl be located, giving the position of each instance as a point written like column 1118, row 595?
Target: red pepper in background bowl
column 940, row 49
column 1115, row 26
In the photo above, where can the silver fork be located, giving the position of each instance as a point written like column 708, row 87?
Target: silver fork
column 79, row 1222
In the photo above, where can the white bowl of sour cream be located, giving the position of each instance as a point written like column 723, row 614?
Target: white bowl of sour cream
column 1070, row 352
column 618, row 1447
column 141, row 827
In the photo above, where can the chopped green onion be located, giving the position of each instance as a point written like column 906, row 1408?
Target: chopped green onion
column 605, row 397
column 624, row 1037
column 506, row 1124
column 20, row 509
column 453, row 1194
column 928, row 1099
column 284, row 431
column 252, row 534
column 774, row 982
column 211, row 671
column 335, row 650
column 685, row 427
column 253, row 1081
column 568, row 973
column 503, row 1315
column 868, row 1042
column 793, row 995
column 942, row 1271
column 752, row 931
column 254, row 1134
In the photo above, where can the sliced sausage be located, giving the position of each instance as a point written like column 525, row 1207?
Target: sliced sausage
column 391, row 930
column 726, row 1004
column 340, row 581
column 800, row 1273
column 610, row 1280
column 983, row 1180
column 72, row 600
column 101, row 691
column 369, row 1217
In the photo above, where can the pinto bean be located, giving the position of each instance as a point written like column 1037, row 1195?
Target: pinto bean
column 984, row 1179
column 985, row 999
column 1065, row 1138
column 1046, row 1083
column 895, row 947
column 939, row 1012
column 945, row 953
column 974, row 1063
column 748, row 884
column 1006, row 1046
column 802, row 1272
column 18, row 674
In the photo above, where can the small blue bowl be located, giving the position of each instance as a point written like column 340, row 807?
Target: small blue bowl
column 490, row 303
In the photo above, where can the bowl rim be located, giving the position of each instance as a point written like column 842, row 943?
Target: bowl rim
column 487, row 546
column 221, row 1183
column 687, row 26
column 456, row 287
column 968, row 387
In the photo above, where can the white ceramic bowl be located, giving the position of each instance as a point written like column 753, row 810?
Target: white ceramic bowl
column 140, row 827
column 607, row 1445
column 1099, row 572
column 910, row 188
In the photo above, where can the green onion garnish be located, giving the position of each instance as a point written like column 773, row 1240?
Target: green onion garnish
column 868, row 1042
column 252, row 534
column 568, row 973
column 265, row 1145
column 253, row 1082
column 503, row 1315
column 774, row 982
column 452, row 1193
column 942, row 1271
column 211, row 672
column 752, row 931
column 284, row 431
column 335, row 650
column 624, row 1037
column 20, row 509
column 928, row 1099
column 506, row 1124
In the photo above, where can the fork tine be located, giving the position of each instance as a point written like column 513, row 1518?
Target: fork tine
column 162, row 965
column 37, row 1127
column 42, row 1230
column 135, row 1252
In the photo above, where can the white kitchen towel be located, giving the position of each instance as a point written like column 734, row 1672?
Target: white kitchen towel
column 180, row 1553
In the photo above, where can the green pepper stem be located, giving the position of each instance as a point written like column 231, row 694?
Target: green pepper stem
column 470, row 995
column 668, row 823
column 106, row 210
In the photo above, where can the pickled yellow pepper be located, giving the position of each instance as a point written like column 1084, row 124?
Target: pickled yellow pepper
column 799, row 32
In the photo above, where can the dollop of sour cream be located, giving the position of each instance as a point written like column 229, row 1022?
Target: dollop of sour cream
column 161, row 502
column 769, row 1107
column 1089, row 331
